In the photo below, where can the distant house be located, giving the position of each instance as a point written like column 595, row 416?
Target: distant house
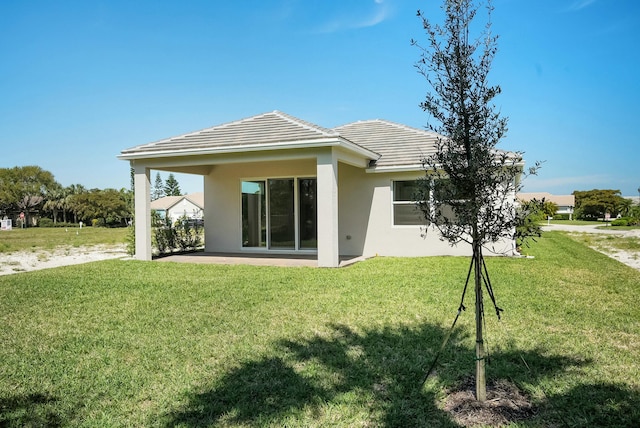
column 174, row 207
column 277, row 184
column 635, row 200
column 565, row 203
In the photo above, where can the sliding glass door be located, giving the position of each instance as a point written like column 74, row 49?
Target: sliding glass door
column 280, row 214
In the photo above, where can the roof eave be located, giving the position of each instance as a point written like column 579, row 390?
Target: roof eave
column 395, row 168
column 415, row 167
column 281, row 145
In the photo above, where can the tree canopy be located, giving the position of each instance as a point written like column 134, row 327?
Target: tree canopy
column 171, row 186
column 24, row 187
column 158, row 188
column 594, row 204
column 30, row 188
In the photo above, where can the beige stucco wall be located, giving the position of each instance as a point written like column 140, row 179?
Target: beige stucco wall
column 222, row 201
column 364, row 202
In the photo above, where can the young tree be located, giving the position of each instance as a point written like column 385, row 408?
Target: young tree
column 158, row 188
column 171, row 187
column 469, row 188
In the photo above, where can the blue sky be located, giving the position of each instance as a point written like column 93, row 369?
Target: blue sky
column 82, row 80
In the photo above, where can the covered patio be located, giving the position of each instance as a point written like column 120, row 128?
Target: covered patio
column 270, row 186
column 259, row 259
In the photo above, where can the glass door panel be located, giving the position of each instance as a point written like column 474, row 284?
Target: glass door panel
column 254, row 214
column 308, row 214
column 282, row 234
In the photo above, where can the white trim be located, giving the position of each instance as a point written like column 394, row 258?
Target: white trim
column 282, row 145
column 394, row 203
column 395, row 168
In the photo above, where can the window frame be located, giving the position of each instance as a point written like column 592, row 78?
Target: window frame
column 395, row 202
column 267, row 246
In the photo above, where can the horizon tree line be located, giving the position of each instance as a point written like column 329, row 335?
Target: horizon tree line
column 34, row 192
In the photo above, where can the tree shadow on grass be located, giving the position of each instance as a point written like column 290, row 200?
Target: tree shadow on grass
column 369, row 376
column 596, row 405
column 37, row 410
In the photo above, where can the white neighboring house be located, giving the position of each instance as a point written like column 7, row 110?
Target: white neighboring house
column 277, row 184
column 565, row 203
column 174, row 207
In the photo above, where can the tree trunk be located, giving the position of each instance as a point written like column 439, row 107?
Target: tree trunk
column 481, row 380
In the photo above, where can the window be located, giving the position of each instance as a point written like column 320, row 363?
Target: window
column 405, row 210
column 443, row 189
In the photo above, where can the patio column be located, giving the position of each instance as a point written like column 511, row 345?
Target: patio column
column 327, row 181
column 142, row 195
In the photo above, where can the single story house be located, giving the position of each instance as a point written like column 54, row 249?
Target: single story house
column 277, row 184
column 174, row 207
column 565, row 203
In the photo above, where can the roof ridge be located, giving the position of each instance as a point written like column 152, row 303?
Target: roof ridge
column 188, row 134
column 308, row 125
column 291, row 119
column 392, row 123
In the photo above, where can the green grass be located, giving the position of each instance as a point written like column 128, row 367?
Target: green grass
column 622, row 227
column 573, row 222
column 49, row 238
column 130, row 343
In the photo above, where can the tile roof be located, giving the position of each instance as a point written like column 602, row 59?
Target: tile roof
column 560, row 200
column 167, row 202
column 268, row 128
column 390, row 144
column 398, row 145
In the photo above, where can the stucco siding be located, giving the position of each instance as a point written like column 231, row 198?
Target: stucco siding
column 366, row 219
column 223, row 203
column 365, row 211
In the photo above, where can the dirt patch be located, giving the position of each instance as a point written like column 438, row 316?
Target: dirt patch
column 25, row 261
column 505, row 404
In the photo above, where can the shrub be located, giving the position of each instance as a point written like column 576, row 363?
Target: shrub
column 45, row 222
column 561, row 217
column 131, row 239
column 184, row 235
column 188, row 234
column 620, row 222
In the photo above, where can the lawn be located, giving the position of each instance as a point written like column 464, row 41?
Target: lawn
column 47, row 238
column 131, row 343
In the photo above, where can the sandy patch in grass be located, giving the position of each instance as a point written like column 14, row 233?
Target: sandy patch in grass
column 599, row 242
column 25, row 261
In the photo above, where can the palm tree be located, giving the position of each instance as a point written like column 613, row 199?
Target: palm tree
column 69, row 202
column 54, row 201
